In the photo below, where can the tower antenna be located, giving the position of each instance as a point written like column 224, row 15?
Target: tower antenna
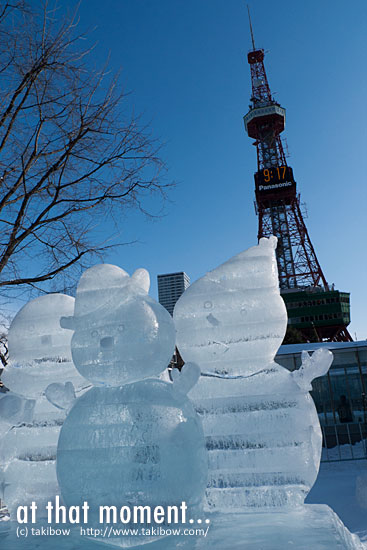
column 252, row 34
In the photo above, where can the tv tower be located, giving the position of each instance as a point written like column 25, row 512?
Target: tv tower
column 315, row 309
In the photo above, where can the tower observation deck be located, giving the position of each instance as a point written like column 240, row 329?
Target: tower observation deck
column 316, row 311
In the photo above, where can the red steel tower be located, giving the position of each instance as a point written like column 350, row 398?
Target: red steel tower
column 315, row 309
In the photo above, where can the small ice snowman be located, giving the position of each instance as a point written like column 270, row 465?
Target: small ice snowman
column 131, row 439
column 261, row 426
column 42, row 381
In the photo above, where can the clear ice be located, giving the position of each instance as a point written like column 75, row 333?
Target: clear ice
column 260, row 423
column 131, row 439
column 261, row 426
column 134, row 439
column 40, row 358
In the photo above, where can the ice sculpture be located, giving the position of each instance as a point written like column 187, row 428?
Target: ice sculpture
column 130, row 439
column 14, row 409
column 40, row 363
column 261, row 426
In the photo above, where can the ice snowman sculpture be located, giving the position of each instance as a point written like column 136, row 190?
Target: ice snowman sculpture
column 130, row 440
column 42, row 381
column 261, row 426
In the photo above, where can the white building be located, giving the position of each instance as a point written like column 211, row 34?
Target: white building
column 170, row 288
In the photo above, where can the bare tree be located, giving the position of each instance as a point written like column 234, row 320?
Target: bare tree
column 70, row 152
column 4, row 327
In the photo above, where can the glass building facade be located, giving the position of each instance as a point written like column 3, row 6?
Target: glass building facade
column 339, row 396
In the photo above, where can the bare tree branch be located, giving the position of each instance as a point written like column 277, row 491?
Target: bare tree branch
column 71, row 153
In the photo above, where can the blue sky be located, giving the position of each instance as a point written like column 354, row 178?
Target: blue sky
column 185, row 63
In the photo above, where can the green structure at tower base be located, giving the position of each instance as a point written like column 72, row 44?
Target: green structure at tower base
column 317, row 314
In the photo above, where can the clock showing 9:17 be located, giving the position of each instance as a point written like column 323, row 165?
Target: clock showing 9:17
column 276, row 174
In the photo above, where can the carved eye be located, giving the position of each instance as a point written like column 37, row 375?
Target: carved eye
column 208, row 305
column 121, row 328
column 94, row 333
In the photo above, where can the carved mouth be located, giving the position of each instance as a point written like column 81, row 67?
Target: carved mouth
column 106, row 343
column 215, row 344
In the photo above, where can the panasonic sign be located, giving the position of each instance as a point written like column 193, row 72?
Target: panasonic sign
column 275, row 186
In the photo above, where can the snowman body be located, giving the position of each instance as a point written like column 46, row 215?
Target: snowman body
column 263, row 447
column 262, row 431
column 132, row 445
column 40, row 357
column 130, row 440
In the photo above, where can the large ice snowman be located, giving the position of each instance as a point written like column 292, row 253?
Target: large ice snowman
column 42, row 381
column 131, row 439
column 262, row 430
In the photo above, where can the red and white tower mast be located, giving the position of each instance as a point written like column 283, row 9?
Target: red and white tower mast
column 315, row 309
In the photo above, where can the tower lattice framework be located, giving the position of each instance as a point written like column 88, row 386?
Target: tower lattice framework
column 279, row 213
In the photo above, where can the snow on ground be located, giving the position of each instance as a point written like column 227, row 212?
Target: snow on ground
column 343, row 486
column 346, row 452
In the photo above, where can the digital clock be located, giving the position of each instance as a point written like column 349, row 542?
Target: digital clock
column 274, row 184
column 273, row 176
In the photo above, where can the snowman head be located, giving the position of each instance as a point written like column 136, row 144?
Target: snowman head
column 234, row 317
column 121, row 334
column 35, row 333
column 39, row 349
